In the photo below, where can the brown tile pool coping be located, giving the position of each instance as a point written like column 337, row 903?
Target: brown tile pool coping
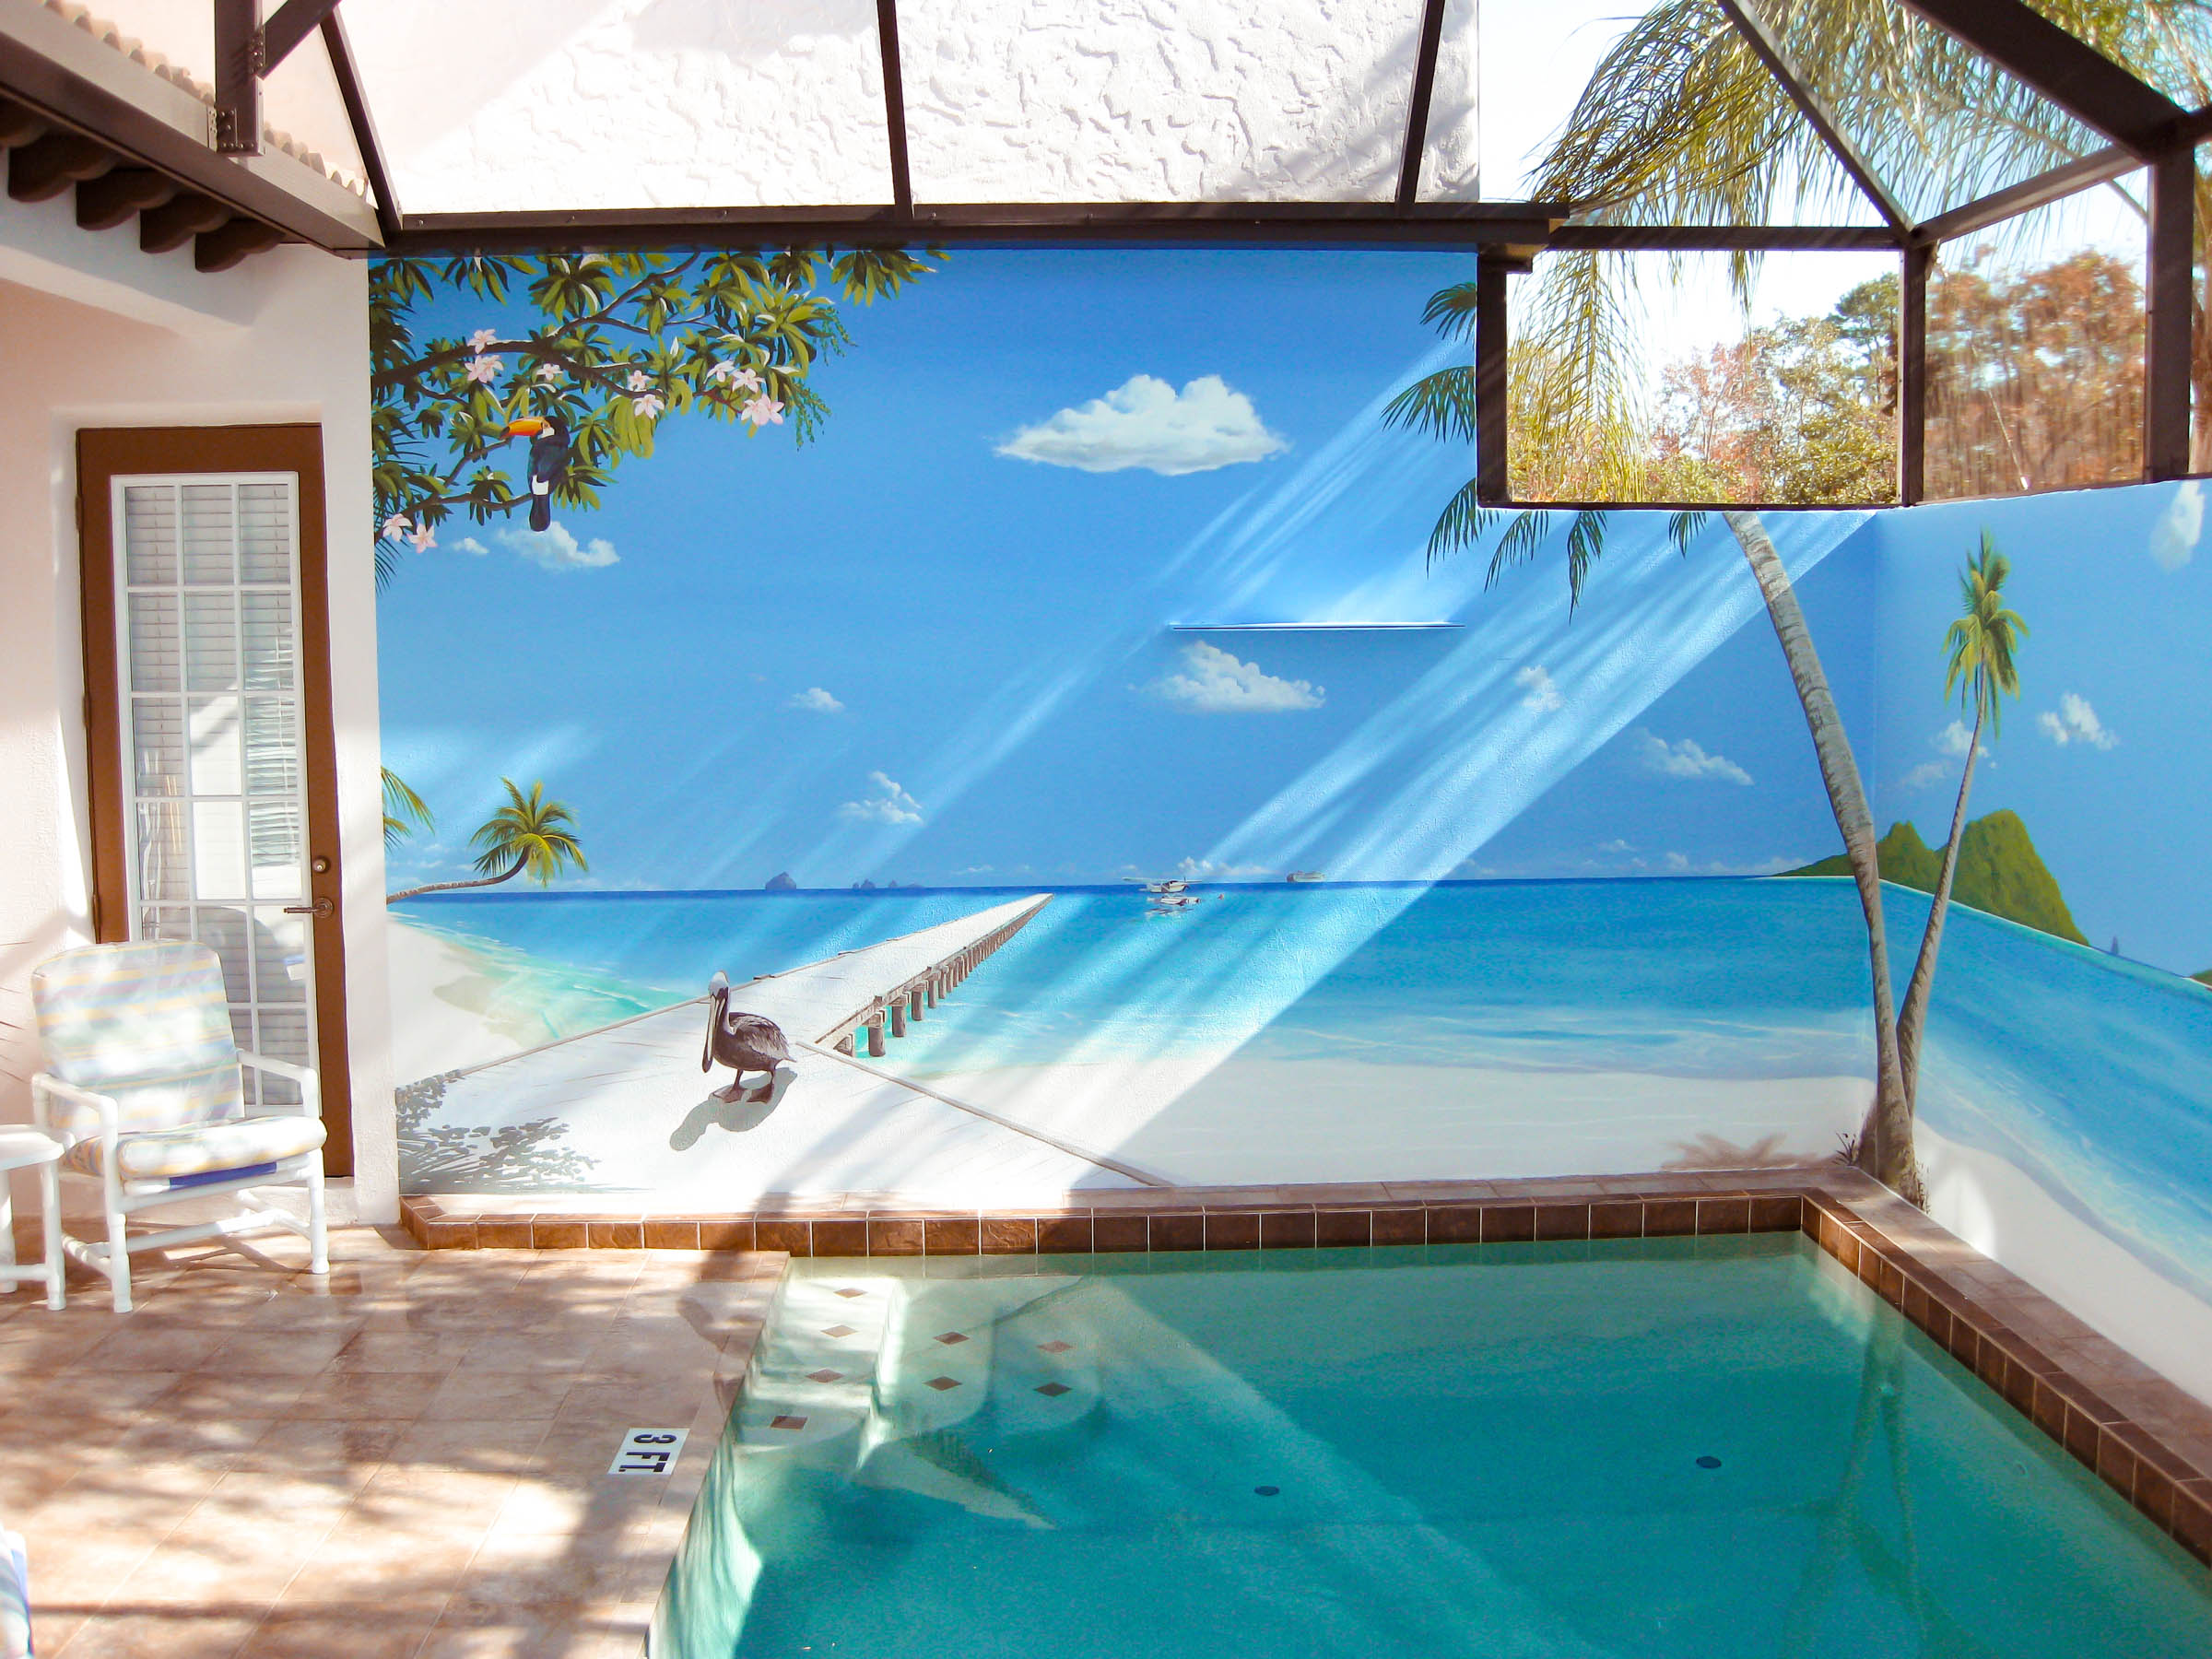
column 2145, row 1437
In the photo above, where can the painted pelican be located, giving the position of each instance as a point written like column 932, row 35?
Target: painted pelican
column 743, row 1042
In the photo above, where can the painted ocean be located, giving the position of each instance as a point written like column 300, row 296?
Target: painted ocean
column 1475, row 1026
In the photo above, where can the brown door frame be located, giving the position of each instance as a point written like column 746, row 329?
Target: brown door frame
column 103, row 454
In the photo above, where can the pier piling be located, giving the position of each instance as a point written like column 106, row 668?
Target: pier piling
column 898, row 1018
column 876, row 1048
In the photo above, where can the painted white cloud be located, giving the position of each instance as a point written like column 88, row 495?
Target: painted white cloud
column 1543, row 696
column 2173, row 539
column 1926, row 773
column 471, row 546
column 815, row 701
column 556, row 549
column 1206, row 869
column 1954, row 739
column 1146, row 422
column 1685, row 759
column 2076, row 721
column 1214, row 682
column 888, row 805
column 1616, row 846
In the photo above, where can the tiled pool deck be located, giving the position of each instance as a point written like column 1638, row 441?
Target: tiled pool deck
column 408, row 1462
column 411, row 1459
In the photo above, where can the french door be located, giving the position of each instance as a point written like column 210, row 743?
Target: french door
column 209, row 720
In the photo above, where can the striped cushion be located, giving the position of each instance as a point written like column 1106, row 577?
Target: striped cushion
column 209, row 1150
column 146, row 1023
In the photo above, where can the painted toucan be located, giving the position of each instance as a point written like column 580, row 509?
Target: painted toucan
column 742, row 1042
column 548, row 438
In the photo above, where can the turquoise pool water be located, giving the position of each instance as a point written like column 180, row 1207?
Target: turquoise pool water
column 1654, row 1448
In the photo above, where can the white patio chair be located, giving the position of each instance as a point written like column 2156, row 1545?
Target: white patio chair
column 143, row 1086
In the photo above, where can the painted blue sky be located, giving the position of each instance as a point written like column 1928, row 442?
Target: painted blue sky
column 934, row 645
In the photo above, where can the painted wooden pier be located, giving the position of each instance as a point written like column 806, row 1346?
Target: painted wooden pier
column 621, row 1108
column 910, row 1001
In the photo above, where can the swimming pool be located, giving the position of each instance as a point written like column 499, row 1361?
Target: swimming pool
column 1651, row 1447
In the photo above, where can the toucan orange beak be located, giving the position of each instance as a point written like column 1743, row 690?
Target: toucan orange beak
column 529, row 426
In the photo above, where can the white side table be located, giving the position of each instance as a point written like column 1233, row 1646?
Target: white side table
column 22, row 1147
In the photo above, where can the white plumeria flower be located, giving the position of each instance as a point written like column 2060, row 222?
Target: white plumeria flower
column 764, row 410
column 398, row 524
column 481, row 338
column 750, row 380
column 640, row 381
column 649, row 406
column 485, row 370
column 549, row 372
column 719, row 372
column 424, row 539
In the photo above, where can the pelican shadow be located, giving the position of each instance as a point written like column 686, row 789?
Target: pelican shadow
column 745, row 1112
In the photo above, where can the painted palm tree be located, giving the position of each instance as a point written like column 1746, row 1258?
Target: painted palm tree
column 404, row 811
column 1982, row 652
column 1681, row 124
column 1885, row 1143
column 529, row 834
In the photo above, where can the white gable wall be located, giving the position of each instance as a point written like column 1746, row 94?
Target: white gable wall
column 95, row 333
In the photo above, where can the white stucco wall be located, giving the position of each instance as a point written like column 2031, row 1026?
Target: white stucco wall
column 95, row 333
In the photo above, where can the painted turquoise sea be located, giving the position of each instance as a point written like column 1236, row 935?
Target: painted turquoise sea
column 2049, row 1055
column 1662, row 1449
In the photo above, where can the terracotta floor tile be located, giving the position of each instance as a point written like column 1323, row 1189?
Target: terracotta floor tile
column 302, row 1352
column 180, row 1632
column 370, row 1396
column 501, row 1396
column 372, row 1630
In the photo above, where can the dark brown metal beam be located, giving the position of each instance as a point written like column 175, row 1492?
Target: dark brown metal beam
column 1417, row 109
column 2039, row 192
column 1912, row 373
column 2077, row 78
column 1768, row 50
column 363, row 122
column 19, row 124
column 2170, row 306
column 1518, row 225
column 236, row 84
column 1724, row 238
column 1493, row 346
column 894, row 103
column 294, row 22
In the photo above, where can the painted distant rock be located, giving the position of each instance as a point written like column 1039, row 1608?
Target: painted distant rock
column 780, row 882
column 1999, row 872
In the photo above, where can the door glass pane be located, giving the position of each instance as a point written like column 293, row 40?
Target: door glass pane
column 218, row 849
column 154, row 651
column 268, row 641
column 210, row 609
column 149, row 514
column 210, row 642
column 214, row 762
column 210, row 547
column 158, row 745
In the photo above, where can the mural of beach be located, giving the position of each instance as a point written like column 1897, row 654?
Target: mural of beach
column 1090, row 763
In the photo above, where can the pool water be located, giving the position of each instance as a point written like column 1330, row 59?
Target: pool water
column 1649, row 1448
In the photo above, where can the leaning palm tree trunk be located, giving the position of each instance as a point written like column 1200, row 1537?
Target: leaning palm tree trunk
column 1913, row 1021
column 1885, row 1141
column 509, row 874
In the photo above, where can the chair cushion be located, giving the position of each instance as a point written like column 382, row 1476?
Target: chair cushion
column 146, row 1023
column 173, row 1154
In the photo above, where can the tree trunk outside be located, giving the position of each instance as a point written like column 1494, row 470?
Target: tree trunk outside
column 509, row 874
column 1886, row 1139
column 1913, row 1021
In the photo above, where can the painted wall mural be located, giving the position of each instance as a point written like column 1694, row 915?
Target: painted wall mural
column 1075, row 730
